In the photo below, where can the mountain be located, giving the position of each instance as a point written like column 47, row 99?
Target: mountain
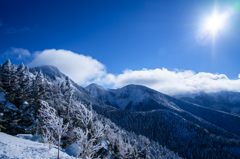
column 53, row 73
column 174, row 123
column 32, row 102
column 141, row 98
column 57, row 76
column 139, row 120
column 50, row 71
column 132, row 97
column 223, row 101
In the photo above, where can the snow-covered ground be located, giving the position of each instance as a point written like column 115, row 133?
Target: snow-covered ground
column 20, row 148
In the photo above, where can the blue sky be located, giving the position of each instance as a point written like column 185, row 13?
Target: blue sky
column 114, row 38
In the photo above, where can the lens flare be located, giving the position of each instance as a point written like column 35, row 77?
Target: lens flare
column 215, row 22
column 212, row 25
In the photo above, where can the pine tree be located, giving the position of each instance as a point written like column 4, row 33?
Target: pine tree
column 33, row 71
column 17, row 78
column 1, row 84
column 6, row 75
column 9, row 81
column 39, row 86
column 26, row 82
column 68, row 93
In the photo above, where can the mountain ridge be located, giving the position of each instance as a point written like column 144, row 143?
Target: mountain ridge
column 170, row 117
column 153, row 100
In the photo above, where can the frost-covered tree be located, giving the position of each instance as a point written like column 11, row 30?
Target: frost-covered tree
column 26, row 82
column 1, row 84
column 24, row 78
column 10, row 81
column 67, row 90
column 47, row 136
column 89, row 134
column 6, row 74
column 39, row 87
column 53, row 123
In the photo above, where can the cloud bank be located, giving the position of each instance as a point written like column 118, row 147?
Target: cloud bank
column 17, row 53
column 79, row 68
column 84, row 70
column 173, row 82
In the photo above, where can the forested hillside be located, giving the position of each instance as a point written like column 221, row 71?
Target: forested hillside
column 46, row 102
column 34, row 103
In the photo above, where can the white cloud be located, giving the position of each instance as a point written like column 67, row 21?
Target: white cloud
column 81, row 69
column 17, row 53
column 239, row 76
column 173, row 82
column 84, row 70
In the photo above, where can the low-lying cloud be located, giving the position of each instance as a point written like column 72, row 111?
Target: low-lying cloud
column 173, row 82
column 79, row 68
column 84, row 70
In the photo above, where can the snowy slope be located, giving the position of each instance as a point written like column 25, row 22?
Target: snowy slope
column 141, row 98
column 57, row 76
column 132, row 97
column 50, row 71
column 14, row 147
column 184, row 121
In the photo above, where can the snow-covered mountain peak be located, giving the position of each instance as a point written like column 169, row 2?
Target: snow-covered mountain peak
column 134, row 86
column 132, row 97
column 95, row 86
column 51, row 71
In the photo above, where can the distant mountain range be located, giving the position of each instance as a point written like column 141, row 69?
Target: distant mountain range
column 222, row 101
column 188, row 125
column 141, row 98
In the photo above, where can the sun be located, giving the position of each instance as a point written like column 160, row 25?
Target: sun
column 215, row 22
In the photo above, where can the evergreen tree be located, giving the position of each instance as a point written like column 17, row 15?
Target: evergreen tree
column 39, row 86
column 9, row 81
column 68, row 93
column 26, row 82
column 6, row 75
column 1, row 84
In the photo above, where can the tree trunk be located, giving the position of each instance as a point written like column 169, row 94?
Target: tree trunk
column 59, row 137
column 77, row 152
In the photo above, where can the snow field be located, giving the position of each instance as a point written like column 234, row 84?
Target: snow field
column 18, row 148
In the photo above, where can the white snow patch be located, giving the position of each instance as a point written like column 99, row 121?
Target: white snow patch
column 72, row 150
column 30, row 137
column 18, row 148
